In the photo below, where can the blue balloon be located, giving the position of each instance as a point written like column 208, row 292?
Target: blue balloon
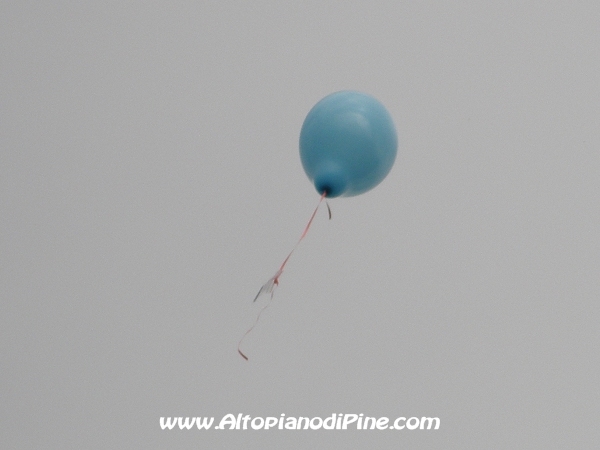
column 348, row 144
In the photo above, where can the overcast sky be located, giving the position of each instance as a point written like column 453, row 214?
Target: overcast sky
column 150, row 183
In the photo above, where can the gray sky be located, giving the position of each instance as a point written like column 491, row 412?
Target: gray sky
column 150, row 182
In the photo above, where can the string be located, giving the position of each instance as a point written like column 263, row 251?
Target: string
column 269, row 286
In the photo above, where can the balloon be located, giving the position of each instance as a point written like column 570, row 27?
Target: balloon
column 348, row 144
